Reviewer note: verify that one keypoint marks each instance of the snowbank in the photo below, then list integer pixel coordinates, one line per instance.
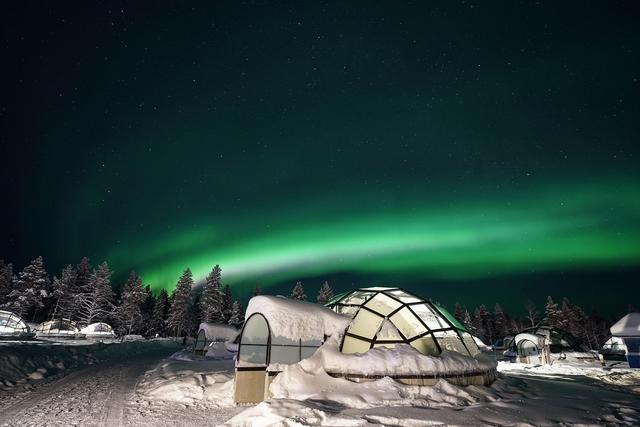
(181, 380)
(295, 320)
(628, 326)
(398, 361)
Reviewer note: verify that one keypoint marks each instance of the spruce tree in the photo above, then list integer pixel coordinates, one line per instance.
(6, 281)
(30, 290)
(227, 304)
(325, 294)
(237, 317)
(179, 320)
(458, 312)
(298, 292)
(129, 312)
(211, 299)
(500, 322)
(96, 304)
(146, 310)
(159, 316)
(482, 324)
(257, 290)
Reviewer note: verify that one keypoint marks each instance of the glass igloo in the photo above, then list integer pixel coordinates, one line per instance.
(385, 317)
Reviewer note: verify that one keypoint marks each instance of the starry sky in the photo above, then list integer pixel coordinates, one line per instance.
(472, 152)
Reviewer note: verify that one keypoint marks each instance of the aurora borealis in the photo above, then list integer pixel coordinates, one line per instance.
(489, 150)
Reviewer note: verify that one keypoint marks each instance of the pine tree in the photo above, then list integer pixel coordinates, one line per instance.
(298, 292)
(257, 290)
(178, 320)
(6, 281)
(227, 304)
(500, 322)
(552, 316)
(159, 316)
(30, 290)
(211, 300)
(532, 313)
(129, 312)
(468, 322)
(482, 323)
(96, 304)
(325, 294)
(458, 312)
(146, 310)
(237, 317)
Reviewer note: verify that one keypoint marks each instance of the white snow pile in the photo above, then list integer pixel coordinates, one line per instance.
(628, 326)
(398, 361)
(188, 381)
(297, 319)
(620, 376)
(219, 332)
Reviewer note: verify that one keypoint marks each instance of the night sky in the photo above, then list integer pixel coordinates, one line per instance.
(466, 151)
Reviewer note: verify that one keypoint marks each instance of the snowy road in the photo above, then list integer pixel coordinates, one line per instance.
(103, 394)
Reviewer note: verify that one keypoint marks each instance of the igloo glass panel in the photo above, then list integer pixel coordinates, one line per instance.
(365, 324)
(382, 304)
(357, 298)
(256, 331)
(355, 345)
(280, 340)
(283, 354)
(426, 345)
(431, 319)
(347, 310)
(407, 323)
(404, 297)
(470, 343)
(449, 340)
(388, 332)
(308, 351)
(253, 354)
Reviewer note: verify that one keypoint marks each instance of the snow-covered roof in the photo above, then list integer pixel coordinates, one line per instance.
(218, 331)
(628, 326)
(296, 320)
(99, 328)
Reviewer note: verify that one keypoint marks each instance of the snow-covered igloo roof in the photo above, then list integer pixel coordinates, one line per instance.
(555, 337)
(98, 328)
(57, 326)
(218, 332)
(12, 323)
(628, 326)
(386, 316)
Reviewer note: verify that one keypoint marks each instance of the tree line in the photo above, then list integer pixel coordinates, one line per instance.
(592, 330)
(85, 295)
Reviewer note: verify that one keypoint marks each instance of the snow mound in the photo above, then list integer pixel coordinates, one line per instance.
(628, 326)
(219, 332)
(295, 320)
(187, 381)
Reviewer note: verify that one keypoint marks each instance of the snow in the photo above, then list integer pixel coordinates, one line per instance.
(402, 359)
(628, 326)
(295, 319)
(219, 332)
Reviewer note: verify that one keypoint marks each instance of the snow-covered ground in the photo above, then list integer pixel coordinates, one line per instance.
(153, 383)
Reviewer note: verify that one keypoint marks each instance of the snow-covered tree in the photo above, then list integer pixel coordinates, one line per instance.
(211, 299)
(458, 312)
(467, 321)
(325, 293)
(6, 281)
(482, 323)
(532, 313)
(179, 320)
(552, 314)
(30, 290)
(146, 309)
(96, 303)
(237, 316)
(298, 292)
(129, 313)
(227, 304)
(61, 298)
(159, 316)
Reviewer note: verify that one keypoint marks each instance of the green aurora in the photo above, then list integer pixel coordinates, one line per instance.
(561, 228)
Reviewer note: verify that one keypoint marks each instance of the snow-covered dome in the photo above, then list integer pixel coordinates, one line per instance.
(61, 328)
(628, 326)
(385, 317)
(98, 330)
(557, 339)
